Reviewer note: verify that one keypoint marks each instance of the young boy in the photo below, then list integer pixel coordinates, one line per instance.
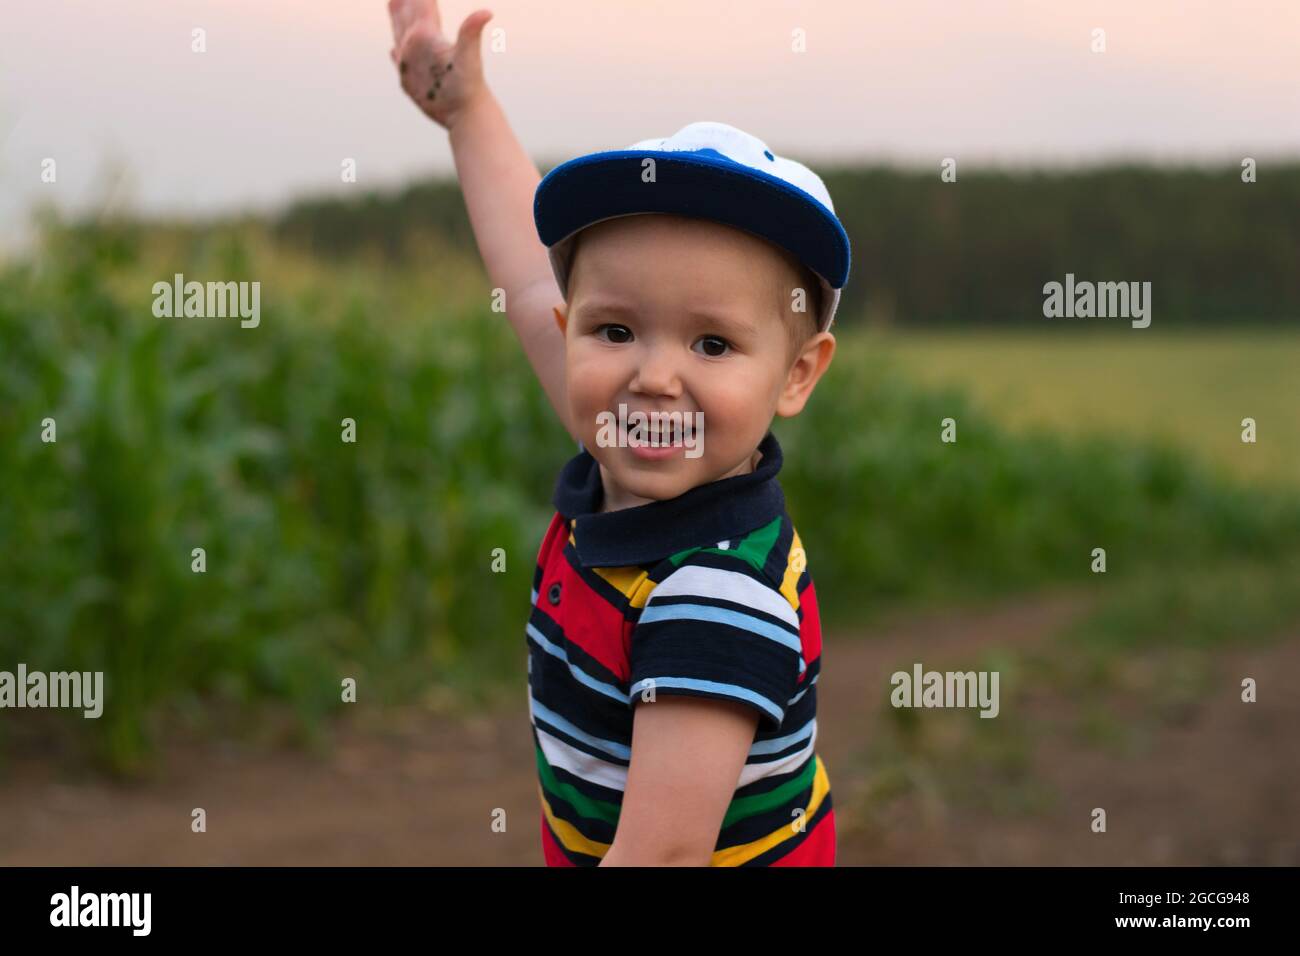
(674, 641)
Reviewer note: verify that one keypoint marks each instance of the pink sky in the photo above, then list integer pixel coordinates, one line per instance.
(288, 88)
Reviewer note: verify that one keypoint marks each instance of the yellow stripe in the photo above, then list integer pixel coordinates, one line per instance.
(568, 834)
(736, 855)
(633, 583)
(643, 590)
(790, 582)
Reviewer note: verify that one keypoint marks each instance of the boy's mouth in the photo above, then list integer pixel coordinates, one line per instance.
(668, 435)
(652, 435)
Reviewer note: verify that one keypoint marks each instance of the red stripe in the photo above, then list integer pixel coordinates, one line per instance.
(587, 620)
(810, 628)
(551, 851)
(556, 534)
(817, 848)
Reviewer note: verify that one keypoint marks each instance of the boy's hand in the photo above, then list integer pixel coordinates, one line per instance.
(441, 77)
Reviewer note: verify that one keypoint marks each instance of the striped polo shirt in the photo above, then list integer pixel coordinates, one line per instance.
(707, 594)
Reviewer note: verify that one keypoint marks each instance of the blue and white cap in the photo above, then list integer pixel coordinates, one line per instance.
(708, 171)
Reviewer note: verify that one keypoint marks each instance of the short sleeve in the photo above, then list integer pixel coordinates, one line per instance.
(715, 627)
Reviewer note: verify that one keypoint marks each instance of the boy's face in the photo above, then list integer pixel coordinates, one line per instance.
(672, 314)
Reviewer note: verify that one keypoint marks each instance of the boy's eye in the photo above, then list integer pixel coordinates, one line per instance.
(714, 346)
(616, 330)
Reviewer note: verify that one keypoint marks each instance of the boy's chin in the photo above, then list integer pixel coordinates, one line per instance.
(657, 480)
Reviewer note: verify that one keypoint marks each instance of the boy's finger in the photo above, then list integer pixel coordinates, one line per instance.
(397, 17)
(405, 13)
(468, 45)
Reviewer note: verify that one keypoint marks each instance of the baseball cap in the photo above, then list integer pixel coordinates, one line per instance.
(708, 171)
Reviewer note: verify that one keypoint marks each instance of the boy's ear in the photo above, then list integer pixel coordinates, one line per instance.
(804, 374)
(561, 318)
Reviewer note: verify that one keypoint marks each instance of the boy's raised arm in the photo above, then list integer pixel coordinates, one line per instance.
(497, 178)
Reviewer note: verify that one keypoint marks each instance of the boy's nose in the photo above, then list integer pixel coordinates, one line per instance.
(656, 374)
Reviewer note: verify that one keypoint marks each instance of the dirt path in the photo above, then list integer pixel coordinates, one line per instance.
(1211, 782)
(1218, 787)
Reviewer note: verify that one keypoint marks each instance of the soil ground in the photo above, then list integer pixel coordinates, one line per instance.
(1212, 781)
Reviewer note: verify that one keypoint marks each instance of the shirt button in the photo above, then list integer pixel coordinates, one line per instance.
(553, 595)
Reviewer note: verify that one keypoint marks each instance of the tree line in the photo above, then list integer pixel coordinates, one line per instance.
(977, 250)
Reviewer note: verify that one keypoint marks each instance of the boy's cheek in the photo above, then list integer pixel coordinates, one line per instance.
(591, 389)
(586, 418)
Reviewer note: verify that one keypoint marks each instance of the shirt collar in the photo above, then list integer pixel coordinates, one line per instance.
(702, 516)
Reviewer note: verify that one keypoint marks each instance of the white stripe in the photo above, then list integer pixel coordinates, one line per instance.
(695, 581)
(614, 776)
(581, 764)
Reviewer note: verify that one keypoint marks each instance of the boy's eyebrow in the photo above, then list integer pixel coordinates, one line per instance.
(734, 323)
(605, 308)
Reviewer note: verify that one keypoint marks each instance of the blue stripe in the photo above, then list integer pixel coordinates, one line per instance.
(704, 612)
(780, 743)
(612, 747)
(609, 690)
(712, 687)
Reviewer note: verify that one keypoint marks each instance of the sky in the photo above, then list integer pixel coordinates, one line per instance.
(288, 89)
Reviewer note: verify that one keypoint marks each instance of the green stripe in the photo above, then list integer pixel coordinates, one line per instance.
(752, 549)
(743, 807)
(585, 805)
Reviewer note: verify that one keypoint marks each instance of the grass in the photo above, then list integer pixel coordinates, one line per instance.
(372, 560)
(1188, 388)
(1221, 604)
